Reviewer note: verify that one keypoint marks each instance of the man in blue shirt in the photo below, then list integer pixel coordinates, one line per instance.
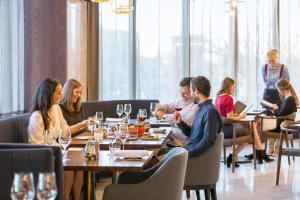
(207, 122)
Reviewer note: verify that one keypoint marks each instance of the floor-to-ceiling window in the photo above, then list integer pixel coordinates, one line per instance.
(115, 54)
(11, 56)
(159, 52)
(210, 41)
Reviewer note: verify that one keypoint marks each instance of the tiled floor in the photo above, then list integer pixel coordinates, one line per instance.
(249, 184)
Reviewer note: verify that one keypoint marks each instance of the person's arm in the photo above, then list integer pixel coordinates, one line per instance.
(185, 128)
(285, 75)
(263, 73)
(189, 117)
(75, 128)
(210, 131)
(36, 129)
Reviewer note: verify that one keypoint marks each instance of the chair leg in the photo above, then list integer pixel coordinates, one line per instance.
(188, 194)
(213, 193)
(207, 194)
(292, 145)
(266, 144)
(279, 159)
(253, 146)
(233, 158)
(198, 194)
(287, 145)
(224, 155)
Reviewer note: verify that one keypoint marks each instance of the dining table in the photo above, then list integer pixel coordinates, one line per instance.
(76, 160)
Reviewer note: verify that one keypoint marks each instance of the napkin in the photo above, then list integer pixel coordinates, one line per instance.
(131, 153)
(114, 119)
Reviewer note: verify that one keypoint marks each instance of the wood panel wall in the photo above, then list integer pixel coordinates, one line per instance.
(45, 46)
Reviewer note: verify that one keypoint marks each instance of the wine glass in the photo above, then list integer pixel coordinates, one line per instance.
(65, 140)
(142, 115)
(46, 187)
(123, 133)
(91, 124)
(152, 108)
(120, 110)
(23, 186)
(127, 110)
(99, 118)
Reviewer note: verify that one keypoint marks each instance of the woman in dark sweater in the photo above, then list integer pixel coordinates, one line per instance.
(70, 105)
(288, 105)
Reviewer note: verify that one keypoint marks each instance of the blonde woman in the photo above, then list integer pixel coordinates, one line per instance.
(70, 105)
(272, 72)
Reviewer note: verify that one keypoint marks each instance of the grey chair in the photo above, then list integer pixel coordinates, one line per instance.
(23, 160)
(58, 167)
(202, 172)
(163, 181)
(287, 128)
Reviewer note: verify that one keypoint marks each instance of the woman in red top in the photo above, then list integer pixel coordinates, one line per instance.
(224, 103)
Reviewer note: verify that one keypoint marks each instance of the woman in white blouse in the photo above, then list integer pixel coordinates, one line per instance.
(45, 115)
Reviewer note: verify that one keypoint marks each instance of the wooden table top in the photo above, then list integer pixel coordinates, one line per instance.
(106, 162)
(134, 144)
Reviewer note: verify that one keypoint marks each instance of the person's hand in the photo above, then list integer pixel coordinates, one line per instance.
(160, 114)
(275, 107)
(84, 123)
(243, 115)
(177, 117)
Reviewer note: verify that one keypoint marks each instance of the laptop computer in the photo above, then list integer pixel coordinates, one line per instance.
(241, 107)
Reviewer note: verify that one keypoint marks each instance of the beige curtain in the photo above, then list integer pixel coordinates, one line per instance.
(83, 46)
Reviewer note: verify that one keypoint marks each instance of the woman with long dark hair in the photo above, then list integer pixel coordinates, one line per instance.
(46, 115)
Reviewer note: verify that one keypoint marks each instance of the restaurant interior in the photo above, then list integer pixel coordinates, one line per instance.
(149, 99)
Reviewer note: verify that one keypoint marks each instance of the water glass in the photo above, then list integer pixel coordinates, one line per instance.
(99, 118)
(91, 124)
(50, 137)
(152, 108)
(46, 187)
(65, 140)
(123, 133)
(120, 110)
(114, 145)
(22, 186)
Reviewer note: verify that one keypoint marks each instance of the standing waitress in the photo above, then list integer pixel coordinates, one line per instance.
(272, 72)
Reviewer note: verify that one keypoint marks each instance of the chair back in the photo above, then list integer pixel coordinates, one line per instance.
(205, 168)
(58, 167)
(165, 183)
(23, 160)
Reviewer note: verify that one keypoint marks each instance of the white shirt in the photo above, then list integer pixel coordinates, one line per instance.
(36, 128)
(189, 109)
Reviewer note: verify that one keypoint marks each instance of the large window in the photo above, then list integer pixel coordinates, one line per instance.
(116, 54)
(210, 41)
(166, 40)
(159, 48)
(290, 39)
(11, 56)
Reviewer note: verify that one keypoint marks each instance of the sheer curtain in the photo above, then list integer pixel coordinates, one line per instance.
(256, 36)
(11, 55)
(210, 41)
(290, 39)
(159, 53)
(115, 54)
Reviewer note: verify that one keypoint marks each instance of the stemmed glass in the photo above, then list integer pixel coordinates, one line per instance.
(127, 110)
(91, 125)
(123, 133)
(65, 140)
(46, 187)
(142, 115)
(152, 108)
(99, 118)
(120, 110)
(23, 186)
